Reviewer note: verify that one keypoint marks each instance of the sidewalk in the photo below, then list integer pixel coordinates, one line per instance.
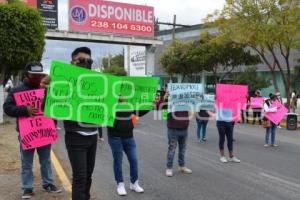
(10, 180)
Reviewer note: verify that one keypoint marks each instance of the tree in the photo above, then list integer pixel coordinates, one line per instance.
(176, 59)
(222, 57)
(114, 65)
(269, 27)
(115, 70)
(22, 36)
(250, 77)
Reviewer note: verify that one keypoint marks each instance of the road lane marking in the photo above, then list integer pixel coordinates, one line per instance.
(61, 173)
(280, 180)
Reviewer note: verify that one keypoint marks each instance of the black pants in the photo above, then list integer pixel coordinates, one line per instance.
(256, 114)
(225, 129)
(82, 153)
(243, 115)
(100, 132)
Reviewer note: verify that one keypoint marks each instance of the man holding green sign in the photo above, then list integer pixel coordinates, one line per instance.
(73, 90)
(82, 97)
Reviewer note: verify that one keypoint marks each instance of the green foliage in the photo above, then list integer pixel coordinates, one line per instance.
(252, 79)
(225, 56)
(205, 54)
(264, 25)
(114, 65)
(177, 59)
(115, 70)
(21, 36)
(117, 60)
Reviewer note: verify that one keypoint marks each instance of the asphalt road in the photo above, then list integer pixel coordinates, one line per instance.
(263, 174)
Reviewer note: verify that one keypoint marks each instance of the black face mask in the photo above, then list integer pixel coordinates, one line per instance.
(85, 62)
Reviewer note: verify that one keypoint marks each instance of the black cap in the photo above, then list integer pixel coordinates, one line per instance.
(34, 68)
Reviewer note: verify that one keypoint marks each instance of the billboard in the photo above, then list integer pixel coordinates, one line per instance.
(31, 3)
(48, 9)
(111, 17)
(137, 61)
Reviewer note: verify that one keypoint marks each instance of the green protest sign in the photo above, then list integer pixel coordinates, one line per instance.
(81, 95)
(138, 93)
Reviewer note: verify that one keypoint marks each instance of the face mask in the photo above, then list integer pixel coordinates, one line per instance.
(34, 82)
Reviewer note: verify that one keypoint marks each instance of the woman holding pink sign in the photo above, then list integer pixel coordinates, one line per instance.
(271, 127)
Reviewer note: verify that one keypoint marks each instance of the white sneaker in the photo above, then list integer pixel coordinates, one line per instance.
(169, 172)
(136, 187)
(234, 159)
(274, 145)
(185, 170)
(223, 159)
(121, 189)
(266, 145)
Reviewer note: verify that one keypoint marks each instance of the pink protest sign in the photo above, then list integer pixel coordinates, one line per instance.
(232, 97)
(36, 132)
(276, 117)
(256, 102)
(33, 98)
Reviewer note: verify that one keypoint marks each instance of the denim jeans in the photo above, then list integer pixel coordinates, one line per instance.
(201, 129)
(27, 163)
(225, 129)
(118, 145)
(271, 131)
(176, 136)
(82, 154)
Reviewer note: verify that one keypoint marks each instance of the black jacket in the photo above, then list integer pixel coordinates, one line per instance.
(123, 126)
(10, 107)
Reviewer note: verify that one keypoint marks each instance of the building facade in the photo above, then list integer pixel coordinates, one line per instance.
(193, 33)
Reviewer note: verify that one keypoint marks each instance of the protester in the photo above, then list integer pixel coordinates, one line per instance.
(202, 118)
(81, 140)
(120, 138)
(225, 125)
(177, 124)
(279, 98)
(32, 79)
(100, 134)
(271, 130)
(257, 111)
(294, 102)
(245, 110)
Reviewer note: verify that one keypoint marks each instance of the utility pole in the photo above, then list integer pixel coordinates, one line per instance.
(174, 24)
(174, 27)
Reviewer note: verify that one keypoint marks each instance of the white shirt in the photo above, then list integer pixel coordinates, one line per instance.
(268, 109)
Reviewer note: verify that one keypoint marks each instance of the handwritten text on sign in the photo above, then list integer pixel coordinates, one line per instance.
(81, 95)
(138, 92)
(35, 131)
(184, 96)
(33, 98)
